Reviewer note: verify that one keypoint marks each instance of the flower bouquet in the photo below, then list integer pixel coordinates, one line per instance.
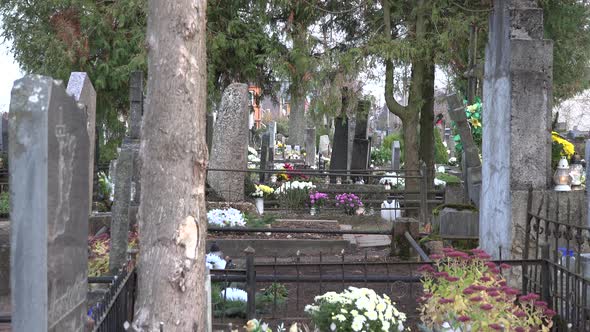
(294, 194)
(350, 202)
(261, 192)
(317, 200)
(226, 218)
(464, 292)
(355, 309)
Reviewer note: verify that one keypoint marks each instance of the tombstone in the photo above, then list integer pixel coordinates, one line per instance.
(264, 155)
(361, 145)
(471, 162)
(325, 145)
(127, 178)
(120, 209)
(49, 157)
(230, 144)
(4, 266)
(272, 130)
(4, 132)
(517, 94)
(396, 151)
(210, 125)
(136, 103)
(338, 160)
(80, 87)
(310, 149)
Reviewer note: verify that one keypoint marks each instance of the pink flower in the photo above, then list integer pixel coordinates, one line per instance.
(491, 265)
(476, 299)
(436, 257)
(519, 329)
(441, 274)
(505, 266)
(541, 304)
(520, 314)
(464, 319)
(485, 279)
(493, 293)
(468, 291)
(447, 250)
(478, 287)
(443, 301)
(451, 279)
(426, 268)
(495, 326)
(486, 307)
(549, 312)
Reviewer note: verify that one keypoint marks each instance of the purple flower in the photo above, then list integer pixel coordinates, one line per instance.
(486, 307)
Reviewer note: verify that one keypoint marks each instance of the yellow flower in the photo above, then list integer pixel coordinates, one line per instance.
(568, 148)
(472, 108)
(475, 123)
(251, 325)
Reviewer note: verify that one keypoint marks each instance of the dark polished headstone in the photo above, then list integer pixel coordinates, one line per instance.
(338, 161)
(49, 158)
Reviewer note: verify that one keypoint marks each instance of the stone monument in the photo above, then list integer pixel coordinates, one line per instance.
(517, 94)
(230, 144)
(310, 150)
(49, 158)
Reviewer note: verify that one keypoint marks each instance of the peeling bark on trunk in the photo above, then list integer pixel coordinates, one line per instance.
(172, 224)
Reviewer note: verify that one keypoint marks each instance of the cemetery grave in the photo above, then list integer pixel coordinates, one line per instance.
(461, 230)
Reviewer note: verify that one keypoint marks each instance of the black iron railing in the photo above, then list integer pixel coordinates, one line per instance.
(116, 306)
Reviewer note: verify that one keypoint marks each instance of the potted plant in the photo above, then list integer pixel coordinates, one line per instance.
(350, 202)
(261, 192)
(355, 309)
(317, 200)
(467, 292)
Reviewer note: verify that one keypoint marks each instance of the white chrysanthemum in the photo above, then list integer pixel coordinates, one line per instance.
(358, 322)
(226, 218)
(215, 262)
(234, 294)
(371, 315)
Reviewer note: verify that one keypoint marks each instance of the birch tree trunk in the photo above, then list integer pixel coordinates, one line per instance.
(173, 153)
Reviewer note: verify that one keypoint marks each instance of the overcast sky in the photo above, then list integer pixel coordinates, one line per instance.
(10, 72)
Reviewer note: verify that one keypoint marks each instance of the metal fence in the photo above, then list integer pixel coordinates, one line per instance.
(564, 278)
(416, 202)
(116, 306)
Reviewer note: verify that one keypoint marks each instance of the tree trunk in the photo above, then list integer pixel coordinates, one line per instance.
(298, 90)
(172, 224)
(427, 121)
(297, 122)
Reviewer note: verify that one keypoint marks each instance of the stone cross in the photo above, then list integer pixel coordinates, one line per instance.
(80, 87)
(230, 144)
(310, 149)
(472, 163)
(517, 94)
(395, 155)
(49, 158)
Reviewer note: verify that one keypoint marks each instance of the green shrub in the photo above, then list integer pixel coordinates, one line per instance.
(448, 178)
(440, 151)
(381, 156)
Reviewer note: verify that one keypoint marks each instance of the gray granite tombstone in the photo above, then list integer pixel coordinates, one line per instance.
(324, 145)
(136, 103)
(120, 209)
(396, 151)
(338, 161)
(517, 94)
(472, 163)
(310, 149)
(80, 87)
(49, 157)
(230, 144)
(209, 127)
(264, 155)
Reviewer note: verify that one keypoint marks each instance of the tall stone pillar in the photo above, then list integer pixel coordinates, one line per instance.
(516, 122)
